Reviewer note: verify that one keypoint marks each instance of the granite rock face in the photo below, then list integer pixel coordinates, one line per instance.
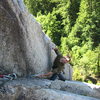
(42, 89)
(24, 48)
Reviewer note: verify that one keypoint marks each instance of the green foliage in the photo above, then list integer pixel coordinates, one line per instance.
(56, 16)
(43, 6)
(74, 26)
(50, 26)
(64, 48)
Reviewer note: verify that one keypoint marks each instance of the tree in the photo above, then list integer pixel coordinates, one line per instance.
(83, 34)
(73, 25)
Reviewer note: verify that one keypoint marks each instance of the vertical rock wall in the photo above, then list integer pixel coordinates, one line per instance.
(24, 48)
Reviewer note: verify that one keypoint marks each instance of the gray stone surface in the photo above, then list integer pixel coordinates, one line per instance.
(24, 48)
(41, 89)
(76, 87)
(68, 72)
(21, 40)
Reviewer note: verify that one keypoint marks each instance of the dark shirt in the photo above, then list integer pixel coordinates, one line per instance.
(57, 65)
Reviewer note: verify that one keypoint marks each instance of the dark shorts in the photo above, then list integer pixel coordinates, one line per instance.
(59, 76)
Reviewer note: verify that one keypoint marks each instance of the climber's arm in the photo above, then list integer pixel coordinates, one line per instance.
(45, 75)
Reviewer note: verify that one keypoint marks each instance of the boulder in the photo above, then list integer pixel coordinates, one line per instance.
(41, 89)
(76, 87)
(68, 72)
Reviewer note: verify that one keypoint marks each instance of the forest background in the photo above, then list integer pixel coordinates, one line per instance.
(74, 26)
